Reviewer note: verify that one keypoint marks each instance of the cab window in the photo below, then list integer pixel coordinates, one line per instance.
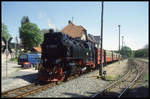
(23, 57)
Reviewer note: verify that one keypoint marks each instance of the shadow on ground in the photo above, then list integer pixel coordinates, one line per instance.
(17, 67)
(138, 92)
(73, 95)
(31, 78)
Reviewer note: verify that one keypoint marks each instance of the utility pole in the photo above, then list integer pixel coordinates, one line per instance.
(122, 41)
(101, 65)
(16, 46)
(119, 43)
(7, 53)
(122, 45)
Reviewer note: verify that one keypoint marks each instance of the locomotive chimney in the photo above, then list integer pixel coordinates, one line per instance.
(51, 30)
(69, 22)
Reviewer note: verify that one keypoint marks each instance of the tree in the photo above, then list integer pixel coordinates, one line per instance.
(30, 35)
(24, 20)
(5, 33)
(142, 52)
(126, 51)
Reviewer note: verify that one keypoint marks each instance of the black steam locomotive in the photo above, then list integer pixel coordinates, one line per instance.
(63, 56)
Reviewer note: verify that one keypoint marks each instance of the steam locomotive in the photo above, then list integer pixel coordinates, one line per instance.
(63, 56)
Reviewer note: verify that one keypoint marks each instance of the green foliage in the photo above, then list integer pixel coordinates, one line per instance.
(126, 51)
(108, 77)
(30, 35)
(147, 77)
(118, 76)
(24, 20)
(12, 45)
(5, 33)
(141, 53)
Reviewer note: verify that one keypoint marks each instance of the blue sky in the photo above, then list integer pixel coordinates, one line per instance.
(132, 16)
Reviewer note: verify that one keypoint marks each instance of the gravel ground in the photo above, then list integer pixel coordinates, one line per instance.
(141, 88)
(115, 70)
(18, 79)
(83, 86)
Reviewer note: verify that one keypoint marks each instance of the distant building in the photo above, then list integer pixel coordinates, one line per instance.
(37, 49)
(97, 41)
(91, 38)
(75, 31)
(94, 39)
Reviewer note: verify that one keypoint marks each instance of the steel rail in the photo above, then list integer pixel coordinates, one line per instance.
(26, 90)
(130, 84)
(12, 90)
(114, 83)
(110, 85)
(31, 89)
(35, 90)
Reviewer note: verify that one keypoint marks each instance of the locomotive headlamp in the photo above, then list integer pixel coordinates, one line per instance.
(87, 53)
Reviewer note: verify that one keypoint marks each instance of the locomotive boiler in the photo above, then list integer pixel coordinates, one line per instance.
(63, 56)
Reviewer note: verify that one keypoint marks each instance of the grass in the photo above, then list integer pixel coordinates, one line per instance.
(108, 77)
(146, 77)
(118, 76)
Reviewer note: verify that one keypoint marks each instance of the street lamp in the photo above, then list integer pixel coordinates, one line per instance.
(119, 43)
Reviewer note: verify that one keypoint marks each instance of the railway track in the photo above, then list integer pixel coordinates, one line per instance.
(26, 90)
(31, 89)
(36, 87)
(127, 81)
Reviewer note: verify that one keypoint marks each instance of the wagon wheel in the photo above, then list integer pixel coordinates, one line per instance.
(79, 72)
(68, 51)
(67, 70)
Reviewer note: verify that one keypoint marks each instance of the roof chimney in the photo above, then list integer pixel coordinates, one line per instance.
(69, 22)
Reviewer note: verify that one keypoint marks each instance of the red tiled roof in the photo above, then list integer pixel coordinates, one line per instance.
(73, 30)
(38, 48)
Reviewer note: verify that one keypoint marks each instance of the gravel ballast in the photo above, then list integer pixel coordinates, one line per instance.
(83, 86)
